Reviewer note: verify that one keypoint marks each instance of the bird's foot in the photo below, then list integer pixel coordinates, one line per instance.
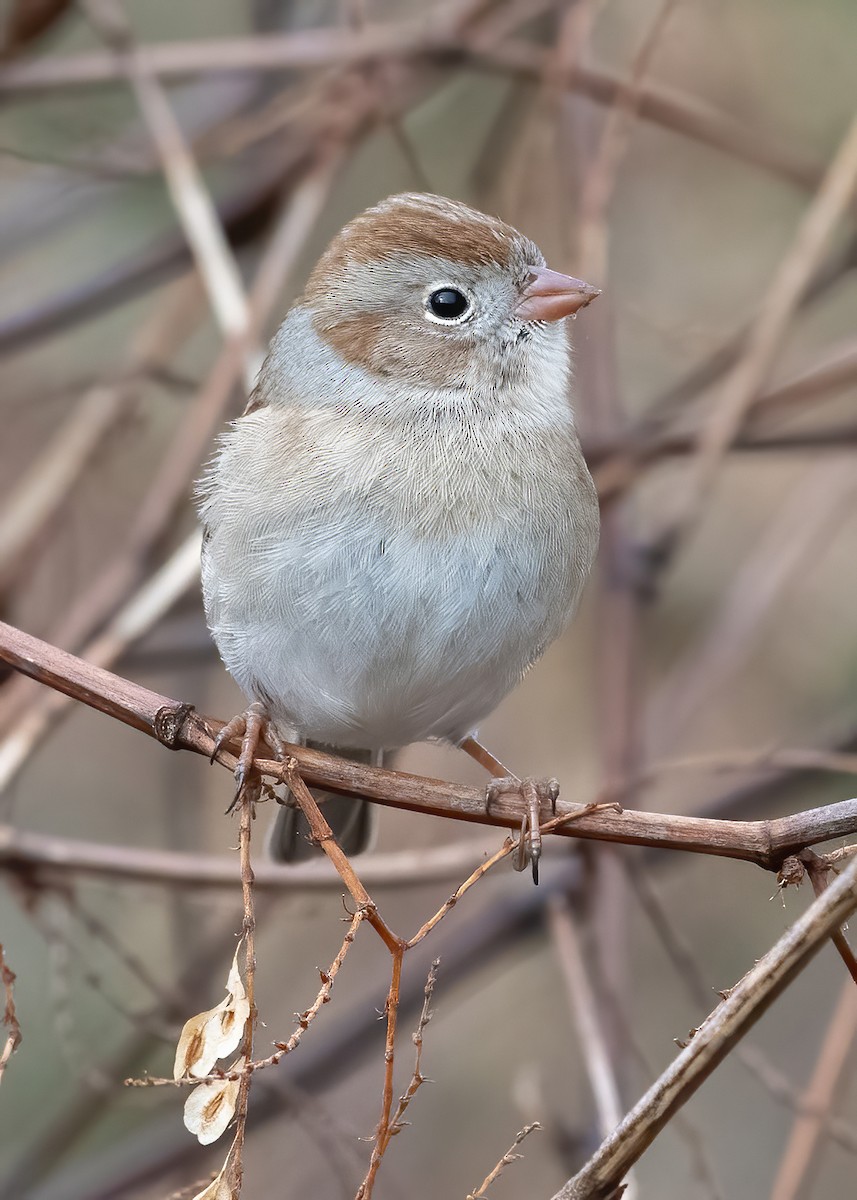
(532, 794)
(252, 727)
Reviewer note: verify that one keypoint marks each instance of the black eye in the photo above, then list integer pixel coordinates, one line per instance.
(448, 303)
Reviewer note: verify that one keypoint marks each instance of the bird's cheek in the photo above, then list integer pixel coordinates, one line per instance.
(357, 340)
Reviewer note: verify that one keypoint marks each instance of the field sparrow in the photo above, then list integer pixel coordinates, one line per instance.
(402, 519)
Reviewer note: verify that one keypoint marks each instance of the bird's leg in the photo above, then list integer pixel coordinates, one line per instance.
(253, 727)
(485, 758)
(531, 792)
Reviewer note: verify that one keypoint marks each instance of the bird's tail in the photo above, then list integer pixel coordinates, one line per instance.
(353, 821)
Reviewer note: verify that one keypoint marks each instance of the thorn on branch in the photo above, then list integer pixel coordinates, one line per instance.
(791, 873)
(169, 724)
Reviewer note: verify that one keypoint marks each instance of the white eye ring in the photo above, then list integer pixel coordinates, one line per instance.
(447, 296)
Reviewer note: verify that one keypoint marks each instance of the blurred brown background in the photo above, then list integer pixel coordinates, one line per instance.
(669, 152)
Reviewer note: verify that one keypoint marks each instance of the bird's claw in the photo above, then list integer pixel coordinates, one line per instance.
(231, 731)
(532, 793)
(252, 727)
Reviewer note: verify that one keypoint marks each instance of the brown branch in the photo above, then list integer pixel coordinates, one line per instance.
(177, 726)
(322, 836)
(386, 1127)
(746, 1002)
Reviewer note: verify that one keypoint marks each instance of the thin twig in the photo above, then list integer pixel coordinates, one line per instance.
(304, 1020)
(602, 172)
(817, 870)
(508, 1158)
(385, 1128)
(322, 836)
(504, 852)
(417, 1077)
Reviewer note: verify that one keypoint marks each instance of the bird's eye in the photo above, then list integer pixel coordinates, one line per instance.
(448, 304)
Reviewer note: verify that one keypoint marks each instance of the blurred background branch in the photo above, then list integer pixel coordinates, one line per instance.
(168, 183)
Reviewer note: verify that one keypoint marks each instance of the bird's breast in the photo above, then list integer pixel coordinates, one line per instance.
(393, 583)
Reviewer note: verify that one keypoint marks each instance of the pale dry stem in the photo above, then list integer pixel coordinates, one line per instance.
(809, 1127)
(829, 205)
(191, 198)
(53, 857)
(586, 1018)
(602, 173)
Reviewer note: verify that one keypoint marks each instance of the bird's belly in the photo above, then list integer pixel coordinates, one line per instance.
(379, 639)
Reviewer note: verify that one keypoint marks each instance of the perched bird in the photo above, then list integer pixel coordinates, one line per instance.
(402, 519)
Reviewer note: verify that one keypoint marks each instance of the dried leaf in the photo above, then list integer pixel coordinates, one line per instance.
(227, 1185)
(216, 1033)
(218, 1189)
(210, 1107)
